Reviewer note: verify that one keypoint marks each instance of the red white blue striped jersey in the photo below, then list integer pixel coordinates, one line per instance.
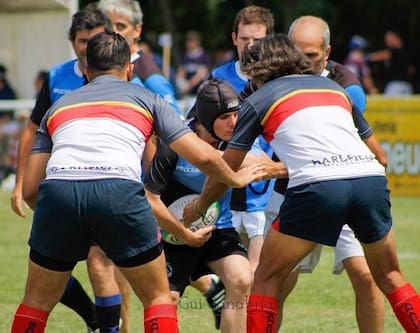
(100, 130)
(307, 120)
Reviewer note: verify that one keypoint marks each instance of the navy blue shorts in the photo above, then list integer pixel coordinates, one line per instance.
(318, 211)
(113, 213)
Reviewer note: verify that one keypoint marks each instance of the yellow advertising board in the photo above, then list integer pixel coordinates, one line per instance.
(396, 124)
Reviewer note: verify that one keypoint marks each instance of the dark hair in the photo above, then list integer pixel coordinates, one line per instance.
(88, 19)
(106, 51)
(254, 15)
(272, 57)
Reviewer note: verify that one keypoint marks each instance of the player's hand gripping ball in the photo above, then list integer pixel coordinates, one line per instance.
(177, 208)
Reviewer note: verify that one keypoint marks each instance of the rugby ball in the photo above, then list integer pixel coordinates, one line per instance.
(177, 208)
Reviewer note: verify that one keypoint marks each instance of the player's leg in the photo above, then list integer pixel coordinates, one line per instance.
(372, 224)
(254, 224)
(125, 291)
(234, 271)
(212, 288)
(404, 299)
(306, 265)
(280, 254)
(105, 288)
(76, 298)
(150, 283)
(44, 288)
(370, 307)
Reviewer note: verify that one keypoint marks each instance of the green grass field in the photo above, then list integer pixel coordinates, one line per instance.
(321, 302)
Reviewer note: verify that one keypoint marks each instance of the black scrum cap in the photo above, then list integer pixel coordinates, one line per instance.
(214, 97)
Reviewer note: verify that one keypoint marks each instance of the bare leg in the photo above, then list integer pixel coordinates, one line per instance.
(254, 250)
(284, 291)
(150, 284)
(43, 291)
(404, 299)
(125, 291)
(234, 270)
(370, 307)
(101, 273)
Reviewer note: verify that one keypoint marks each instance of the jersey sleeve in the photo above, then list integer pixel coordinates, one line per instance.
(167, 124)
(43, 102)
(361, 123)
(357, 96)
(161, 86)
(161, 169)
(247, 129)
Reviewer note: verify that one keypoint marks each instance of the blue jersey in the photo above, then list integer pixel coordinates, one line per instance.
(172, 177)
(255, 196)
(147, 73)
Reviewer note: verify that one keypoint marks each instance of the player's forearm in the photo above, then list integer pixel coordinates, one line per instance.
(26, 142)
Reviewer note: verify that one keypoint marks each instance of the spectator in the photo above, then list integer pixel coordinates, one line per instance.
(40, 77)
(6, 92)
(145, 48)
(356, 62)
(6, 123)
(398, 66)
(195, 64)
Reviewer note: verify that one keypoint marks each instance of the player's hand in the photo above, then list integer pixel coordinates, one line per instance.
(189, 215)
(199, 237)
(17, 203)
(249, 174)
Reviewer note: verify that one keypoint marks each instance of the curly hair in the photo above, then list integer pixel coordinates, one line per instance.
(272, 57)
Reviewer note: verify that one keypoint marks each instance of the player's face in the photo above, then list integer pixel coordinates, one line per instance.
(310, 42)
(122, 25)
(247, 35)
(80, 44)
(224, 125)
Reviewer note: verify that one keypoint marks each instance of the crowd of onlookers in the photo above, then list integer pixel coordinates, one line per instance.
(195, 66)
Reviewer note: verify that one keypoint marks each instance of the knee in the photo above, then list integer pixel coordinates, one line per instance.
(240, 283)
(363, 283)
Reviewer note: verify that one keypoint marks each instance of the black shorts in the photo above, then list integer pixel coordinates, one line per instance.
(185, 263)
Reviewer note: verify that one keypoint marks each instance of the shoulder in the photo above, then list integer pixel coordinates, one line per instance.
(342, 74)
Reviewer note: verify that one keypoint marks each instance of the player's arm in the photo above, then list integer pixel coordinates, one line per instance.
(170, 223)
(37, 163)
(368, 137)
(156, 182)
(208, 159)
(26, 142)
(213, 189)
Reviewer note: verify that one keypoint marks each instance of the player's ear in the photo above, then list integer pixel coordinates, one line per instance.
(328, 52)
(130, 69)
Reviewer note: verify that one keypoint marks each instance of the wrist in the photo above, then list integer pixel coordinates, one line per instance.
(197, 210)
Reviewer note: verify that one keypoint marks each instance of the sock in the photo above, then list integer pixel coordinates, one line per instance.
(261, 314)
(160, 318)
(29, 319)
(405, 302)
(76, 298)
(108, 313)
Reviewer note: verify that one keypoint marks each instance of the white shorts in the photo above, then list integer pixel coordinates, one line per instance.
(250, 223)
(347, 246)
(272, 209)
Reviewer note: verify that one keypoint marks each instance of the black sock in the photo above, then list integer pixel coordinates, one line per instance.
(108, 312)
(75, 298)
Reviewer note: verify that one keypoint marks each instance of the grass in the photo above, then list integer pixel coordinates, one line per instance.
(321, 302)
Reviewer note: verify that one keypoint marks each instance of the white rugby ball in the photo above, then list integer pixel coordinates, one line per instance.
(177, 208)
